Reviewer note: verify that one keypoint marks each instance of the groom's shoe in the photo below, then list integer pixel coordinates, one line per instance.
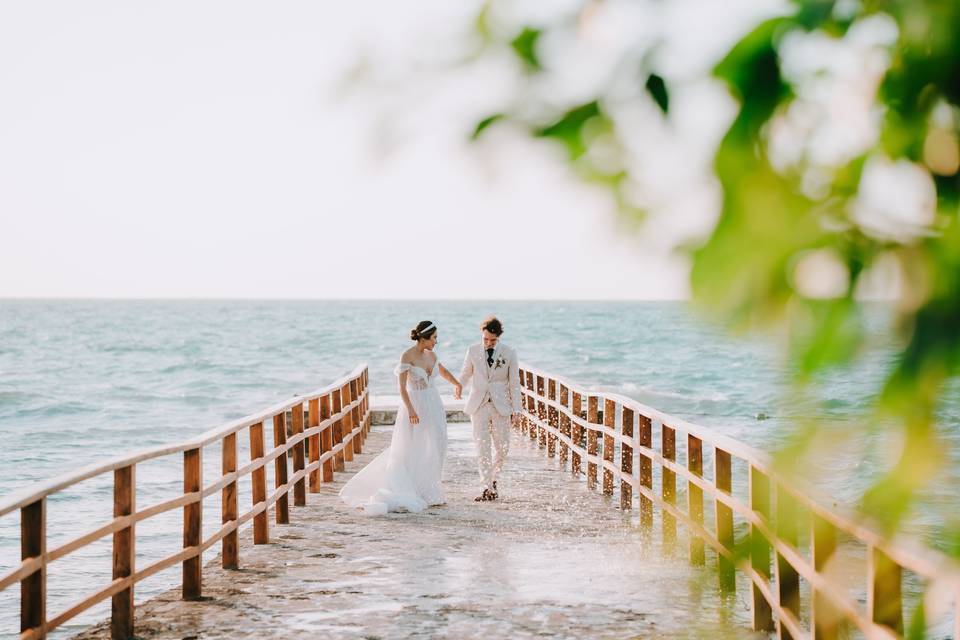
(486, 496)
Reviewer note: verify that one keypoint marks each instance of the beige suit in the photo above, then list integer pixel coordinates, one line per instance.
(494, 395)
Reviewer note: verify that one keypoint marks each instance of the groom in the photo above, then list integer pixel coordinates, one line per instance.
(494, 401)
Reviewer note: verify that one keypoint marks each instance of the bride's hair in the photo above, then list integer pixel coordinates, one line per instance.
(423, 330)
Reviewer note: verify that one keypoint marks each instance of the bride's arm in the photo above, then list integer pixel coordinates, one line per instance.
(457, 387)
(414, 418)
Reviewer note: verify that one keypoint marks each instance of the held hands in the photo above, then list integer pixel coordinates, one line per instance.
(457, 390)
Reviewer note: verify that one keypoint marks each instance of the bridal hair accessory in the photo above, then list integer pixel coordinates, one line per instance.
(420, 334)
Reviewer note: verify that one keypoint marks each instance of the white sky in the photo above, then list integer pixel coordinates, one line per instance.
(200, 149)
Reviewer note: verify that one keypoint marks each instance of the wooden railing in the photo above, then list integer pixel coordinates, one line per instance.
(791, 534)
(337, 422)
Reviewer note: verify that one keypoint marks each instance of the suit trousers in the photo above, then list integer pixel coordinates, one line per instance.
(490, 427)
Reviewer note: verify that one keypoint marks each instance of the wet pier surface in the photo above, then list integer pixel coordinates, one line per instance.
(549, 559)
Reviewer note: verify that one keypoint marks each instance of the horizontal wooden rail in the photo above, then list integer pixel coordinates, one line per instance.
(779, 506)
(347, 426)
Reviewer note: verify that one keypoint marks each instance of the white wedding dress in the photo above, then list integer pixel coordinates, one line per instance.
(407, 475)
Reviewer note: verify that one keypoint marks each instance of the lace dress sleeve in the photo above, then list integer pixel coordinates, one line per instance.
(401, 367)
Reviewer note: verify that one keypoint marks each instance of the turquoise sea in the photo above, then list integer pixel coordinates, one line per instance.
(84, 380)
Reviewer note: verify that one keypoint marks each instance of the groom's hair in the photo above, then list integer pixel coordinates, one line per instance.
(492, 324)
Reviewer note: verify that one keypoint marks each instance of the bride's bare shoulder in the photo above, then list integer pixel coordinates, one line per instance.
(407, 356)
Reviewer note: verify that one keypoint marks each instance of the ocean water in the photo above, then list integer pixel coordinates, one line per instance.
(84, 380)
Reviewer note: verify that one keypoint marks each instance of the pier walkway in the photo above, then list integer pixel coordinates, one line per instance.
(549, 559)
(602, 499)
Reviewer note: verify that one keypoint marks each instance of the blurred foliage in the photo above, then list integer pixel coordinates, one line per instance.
(753, 268)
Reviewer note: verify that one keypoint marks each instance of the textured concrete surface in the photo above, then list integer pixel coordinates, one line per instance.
(550, 559)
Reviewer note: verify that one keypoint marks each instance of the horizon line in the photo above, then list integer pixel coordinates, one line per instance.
(282, 299)
(279, 299)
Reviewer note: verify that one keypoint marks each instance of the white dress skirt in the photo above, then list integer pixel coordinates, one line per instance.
(406, 476)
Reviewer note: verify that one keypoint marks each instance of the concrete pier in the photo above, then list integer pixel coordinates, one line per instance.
(550, 559)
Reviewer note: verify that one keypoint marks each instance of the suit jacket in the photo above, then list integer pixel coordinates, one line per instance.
(501, 381)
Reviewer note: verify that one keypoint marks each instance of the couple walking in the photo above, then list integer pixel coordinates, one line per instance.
(407, 475)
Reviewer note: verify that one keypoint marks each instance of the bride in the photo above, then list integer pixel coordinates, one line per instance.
(407, 475)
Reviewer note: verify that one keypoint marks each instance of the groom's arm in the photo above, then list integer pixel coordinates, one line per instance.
(467, 372)
(514, 382)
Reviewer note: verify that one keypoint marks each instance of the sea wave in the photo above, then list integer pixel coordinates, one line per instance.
(645, 391)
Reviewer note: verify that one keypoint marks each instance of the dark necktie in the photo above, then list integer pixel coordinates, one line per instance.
(490, 357)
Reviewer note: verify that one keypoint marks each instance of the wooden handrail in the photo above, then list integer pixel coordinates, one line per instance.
(774, 564)
(32, 493)
(350, 423)
(907, 551)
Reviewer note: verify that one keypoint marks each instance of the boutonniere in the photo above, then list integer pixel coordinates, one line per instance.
(499, 362)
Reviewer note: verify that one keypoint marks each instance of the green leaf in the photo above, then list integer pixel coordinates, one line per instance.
(917, 630)
(813, 14)
(485, 123)
(568, 129)
(525, 46)
(825, 333)
(752, 70)
(481, 23)
(657, 89)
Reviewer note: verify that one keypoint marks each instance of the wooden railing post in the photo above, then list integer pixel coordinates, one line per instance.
(326, 439)
(668, 482)
(192, 523)
(592, 419)
(788, 580)
(626, 458)
(723, 479)
(282, 509)
(124, 552)
(956, 613)
(338, 434)
(521, 426)
(541, 413)
(355, 417)
(313, 420)
(824, 618)
(33, 588)
(552, 418)
(531, 404)
(576, 434)
(299, 487)
(229, 509)
(258, 481)
(646, 470)
(347, 425)
(364, 406)
(564, 423)
(762, 616)
(609, 416)
(366, 399)
(695, 497)
(356, 388)
(884, 599)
